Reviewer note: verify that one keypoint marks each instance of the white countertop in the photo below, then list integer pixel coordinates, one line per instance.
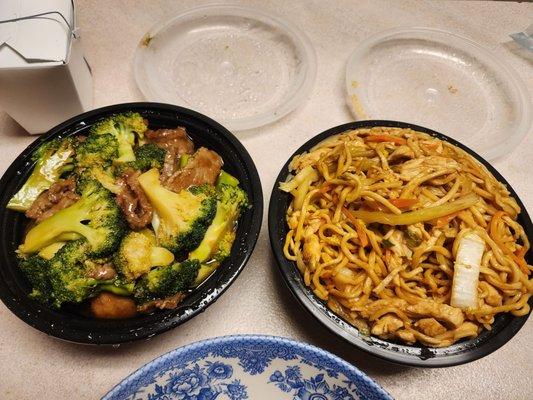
(35, 366)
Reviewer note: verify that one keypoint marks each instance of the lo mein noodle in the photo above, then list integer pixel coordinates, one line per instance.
(405, 236)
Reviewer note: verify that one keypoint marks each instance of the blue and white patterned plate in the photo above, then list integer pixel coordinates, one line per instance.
(248, 367)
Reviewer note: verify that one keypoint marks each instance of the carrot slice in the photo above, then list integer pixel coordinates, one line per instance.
(385, 138)
(520, 255)
(443, 221)
(374, 205)
(362, 234)
(349, 215)
(521, 252)
(520, 261)
(324, 188)
(358, 227)
(403, 203)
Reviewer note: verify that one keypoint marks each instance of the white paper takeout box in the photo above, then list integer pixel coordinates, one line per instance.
(44, 77)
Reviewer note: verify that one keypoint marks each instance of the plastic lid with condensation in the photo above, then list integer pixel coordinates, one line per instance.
(238, 65)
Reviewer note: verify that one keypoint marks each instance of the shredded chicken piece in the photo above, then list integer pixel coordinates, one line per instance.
(313, 226)
(350, 316)
(401, 153)
(292, 220)
(175, 142)
(299, 162)
(450, 232)
(203, 167)
(311, 250)
(451, 316)
(417, 232)
(406, 336)
(133, 201)
(395, 302)
(344, 278)
(168, 303)
(430, 327)
(59, 196)
(400, 248)
(101, 271)
(433, 238)
(386, 326)
(409, 169)
(468, 329)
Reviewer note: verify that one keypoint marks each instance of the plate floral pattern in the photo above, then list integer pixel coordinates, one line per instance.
(247, 367)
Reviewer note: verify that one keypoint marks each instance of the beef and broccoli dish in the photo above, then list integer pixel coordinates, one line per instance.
(125, 219)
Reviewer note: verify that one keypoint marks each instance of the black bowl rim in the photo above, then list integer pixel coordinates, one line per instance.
(335, 324)
(185, 314)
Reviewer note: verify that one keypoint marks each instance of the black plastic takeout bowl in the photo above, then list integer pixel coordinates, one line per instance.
(14, 288)
(503, 329)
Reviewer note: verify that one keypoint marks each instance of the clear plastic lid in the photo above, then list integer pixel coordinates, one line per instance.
(238, 65)
(442, 81)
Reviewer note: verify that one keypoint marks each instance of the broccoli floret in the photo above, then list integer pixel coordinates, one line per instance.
(224, 246)
(94, 157)
(205, 271)
(98, 150)
(166, 281)
(219, 236)
(49, 251)
(95, 216)
(181, 218)
(147, 156)
(52, 159)
(36, 270)
(68, 276)
(223, 252)
(124, 127)
(226, 179)
(138, 253)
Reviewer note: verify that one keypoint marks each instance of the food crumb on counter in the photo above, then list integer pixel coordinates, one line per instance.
(145, 41)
